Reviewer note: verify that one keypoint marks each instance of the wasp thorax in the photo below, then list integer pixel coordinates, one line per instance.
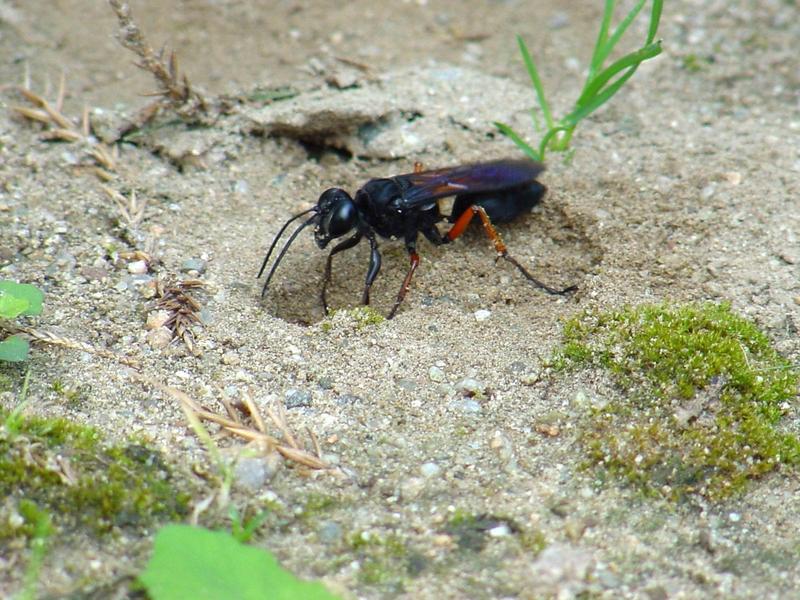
(337, 215)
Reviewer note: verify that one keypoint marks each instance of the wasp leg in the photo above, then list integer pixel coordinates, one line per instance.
(374, 266)
(460, 226)
(412, 254)
(345, 245)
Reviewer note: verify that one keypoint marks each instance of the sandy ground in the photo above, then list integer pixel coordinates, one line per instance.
(685, 187)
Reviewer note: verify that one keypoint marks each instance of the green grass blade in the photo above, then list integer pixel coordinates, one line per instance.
(655, 19)
(546, 140)
(632, 60)
(602, 36)
(620, 30)
(536, 80)
(521, 144)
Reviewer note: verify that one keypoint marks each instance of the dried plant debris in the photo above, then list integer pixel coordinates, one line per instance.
(173, 88)
(58, 127)
(252, 427)
(180, 310)
(131, 209)
(47, 337)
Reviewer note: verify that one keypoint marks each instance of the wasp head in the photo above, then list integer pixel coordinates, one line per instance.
(336, 216)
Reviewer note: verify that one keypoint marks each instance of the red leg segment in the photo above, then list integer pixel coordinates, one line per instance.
(406, 283)
(461, 225)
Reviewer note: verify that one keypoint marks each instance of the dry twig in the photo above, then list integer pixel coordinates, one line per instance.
(286, 446)
(61, 128)
(173, 88)
(56, 340)
(131, 208)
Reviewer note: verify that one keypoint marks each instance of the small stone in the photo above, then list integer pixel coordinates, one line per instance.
(429, 469)
(297, 398)
(251, 473)
(241, 187)
(482, 314)
(94, 273)
(159, 338)
(137, 267)
(436, 374)
(733, 177)
(329, 532)
(467, 405)
(156, 319)
(469, 387)
(411, 488)
(562, 569)
(501, 530)
(194, 264)
(326, 383)
(230, 358)
(445, 389)
(408, 385)
(656, 592)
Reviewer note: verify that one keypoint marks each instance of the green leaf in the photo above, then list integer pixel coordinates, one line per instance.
(11, 306)
(30, 294)
(14, 349)
(191, 562)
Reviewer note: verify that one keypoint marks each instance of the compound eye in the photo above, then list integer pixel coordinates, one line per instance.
(340, 219)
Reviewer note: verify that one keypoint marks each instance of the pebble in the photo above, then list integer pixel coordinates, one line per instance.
(295, 398)
(137, 267)
(411, 488)
(194, 264)
(482, 314)
(469, 386)
(408, 385)
(501, 530)
(159, 338)
(330, 532)
(156, 319)
(251, 473)
(436, 374)
(429, 469)
(230, 358)
(561, 570)
(467, 405)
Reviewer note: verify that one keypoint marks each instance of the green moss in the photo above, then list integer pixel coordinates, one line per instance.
(383, 561)
(316, 505)
(704, 393)
(6, 383)
(65, 470)
(71, 395)
(471, 531)
(355, 319)
(694, 64)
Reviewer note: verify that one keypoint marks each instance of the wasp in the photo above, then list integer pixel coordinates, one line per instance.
(403, 206)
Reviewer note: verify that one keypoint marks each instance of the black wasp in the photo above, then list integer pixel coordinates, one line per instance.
(404, 206)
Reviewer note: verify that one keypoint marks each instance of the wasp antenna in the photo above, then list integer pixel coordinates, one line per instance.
(284, 250)
(278, 236)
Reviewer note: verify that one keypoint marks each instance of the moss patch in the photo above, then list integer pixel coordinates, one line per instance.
(65, 469)
(704, 393)
(384, 562)
(354, 319)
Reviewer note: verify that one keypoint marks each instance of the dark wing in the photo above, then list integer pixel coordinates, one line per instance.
(421, 188)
